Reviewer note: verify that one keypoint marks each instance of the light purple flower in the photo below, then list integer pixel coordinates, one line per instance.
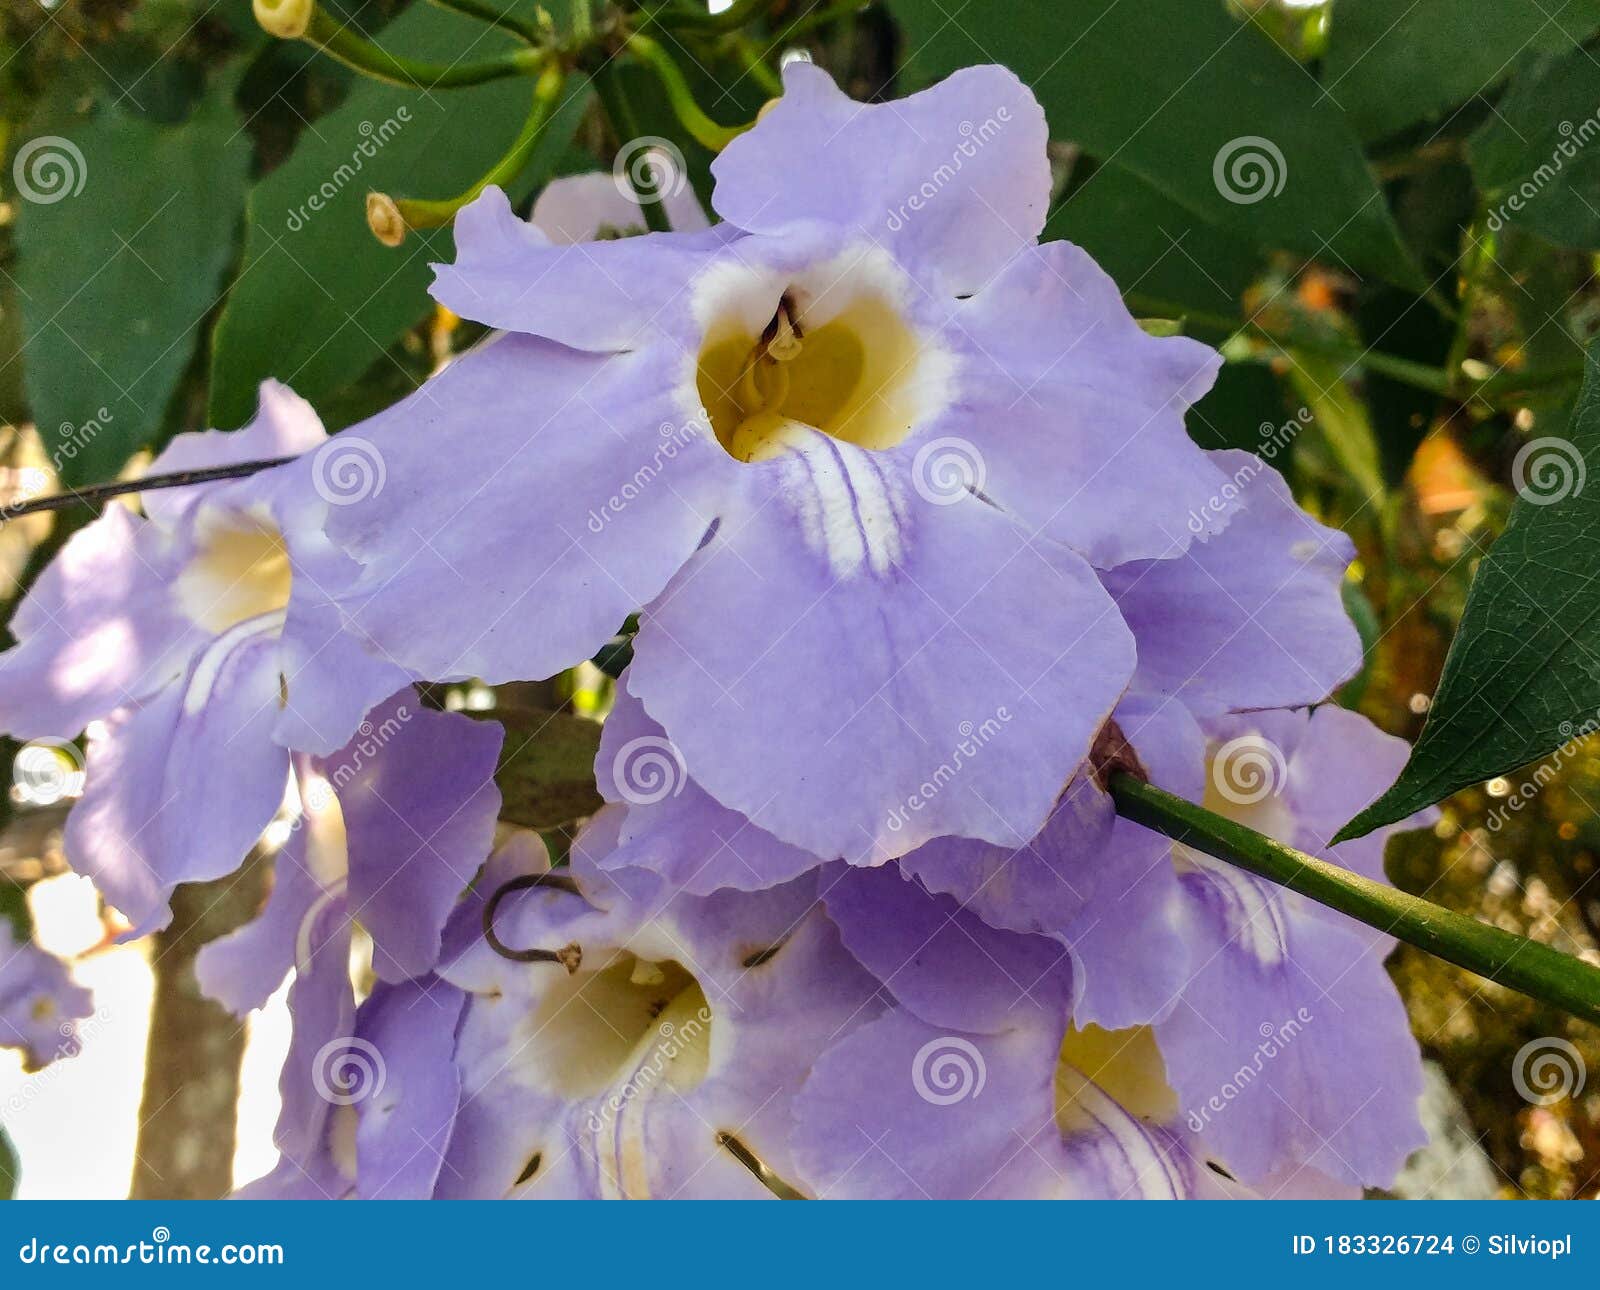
(675, 1046)
(40, 1004)
(852, 451)
(199, 644)
(392, 829)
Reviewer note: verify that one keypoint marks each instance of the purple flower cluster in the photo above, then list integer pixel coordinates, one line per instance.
(905, 505)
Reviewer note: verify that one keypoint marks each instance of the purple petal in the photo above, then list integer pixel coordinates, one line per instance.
(416, 788)
(405, 1124)
(1076, 415)
(180, 789)
(941, 961)
(673, 827)
(1291, 1046)
(519, 538)
(954, 180)
(1250, 617)
(972, 695)
(100, 629)
(600, 296)
(39, 1002)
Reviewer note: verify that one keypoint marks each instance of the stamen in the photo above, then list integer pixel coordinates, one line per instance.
(569, 956)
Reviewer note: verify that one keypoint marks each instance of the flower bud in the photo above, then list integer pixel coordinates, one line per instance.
(385, 220)
(285, 19)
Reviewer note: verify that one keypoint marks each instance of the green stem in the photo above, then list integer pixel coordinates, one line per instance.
(702, 129)
(420, 213)
(625, 125)
(1513, 961)
(361, 54)
(484, 11)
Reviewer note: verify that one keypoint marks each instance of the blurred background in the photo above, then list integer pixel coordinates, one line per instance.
(1386, 215)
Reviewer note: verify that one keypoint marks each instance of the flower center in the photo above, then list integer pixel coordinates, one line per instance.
(834, 355)
(628, 1027)
(1123, 1066)
(241, 571)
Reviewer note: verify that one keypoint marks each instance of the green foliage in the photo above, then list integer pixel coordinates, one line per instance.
(318, 300)
(546, 772)
(116, 281)
(1392, 65)
(1535, 159)
(1172, 116)
(1521, 678)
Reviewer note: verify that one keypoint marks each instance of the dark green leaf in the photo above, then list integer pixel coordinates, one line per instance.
(116, 280)
(319, 300)
(1164, 258)
(1390, 65)
(1247, 408)
(1192, 87)
(546, 773)
(1535, 158)
(1523, 673)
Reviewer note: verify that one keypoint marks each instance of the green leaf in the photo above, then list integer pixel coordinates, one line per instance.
(1171, 88)
(1161, 255)
(10, 1169)
(1523, 673)
(319, 300)
(1391, 65)
(546, 772)
(1535, 159)
(1247, 408)
(116, 280)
